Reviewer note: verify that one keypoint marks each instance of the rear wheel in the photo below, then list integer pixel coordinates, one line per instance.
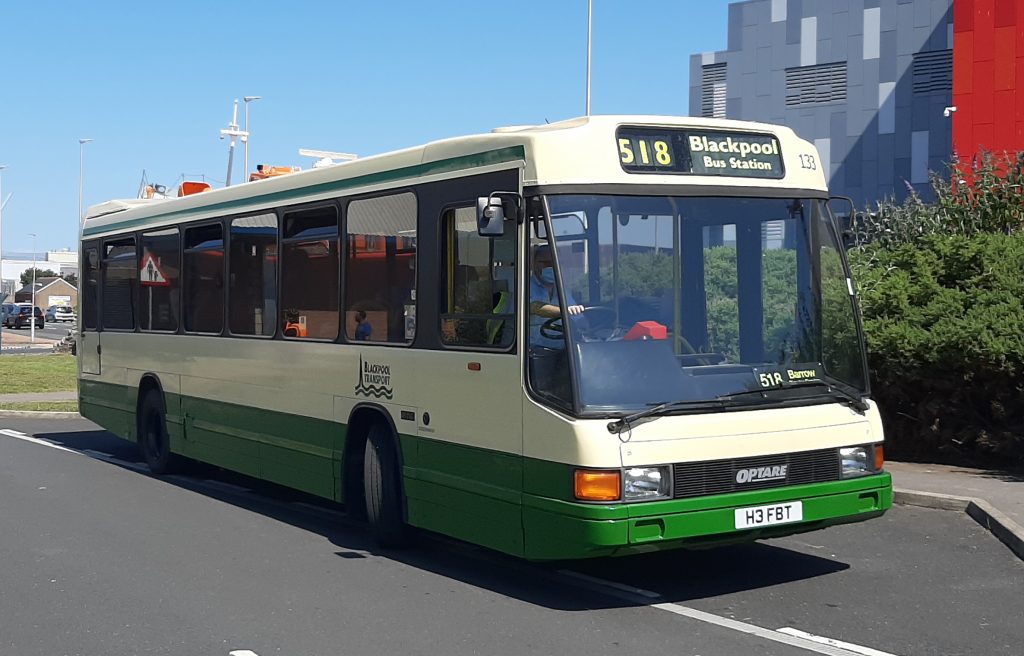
(153, 438)
(382, 489)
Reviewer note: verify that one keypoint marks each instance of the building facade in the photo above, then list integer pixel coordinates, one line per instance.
(869, 82)
(988, 69)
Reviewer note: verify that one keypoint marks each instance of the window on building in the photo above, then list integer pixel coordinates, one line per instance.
(816, 85)
(477, 304)
(252, 275)
(120, 277)
(933, 72)
(380, 269)
(712, 91)
(90, 288)
(309, 273)
(204, 279)
(159, 291)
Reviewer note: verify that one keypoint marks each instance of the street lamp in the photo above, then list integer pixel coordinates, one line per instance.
(2, 295)
(245, 140)
(32, 312)
(81, 177)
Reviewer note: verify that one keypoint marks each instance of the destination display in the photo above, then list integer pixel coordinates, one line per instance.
(699, 152)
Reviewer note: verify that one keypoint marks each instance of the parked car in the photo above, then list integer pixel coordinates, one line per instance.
(7, 312)
(24, 316)
(60, 313)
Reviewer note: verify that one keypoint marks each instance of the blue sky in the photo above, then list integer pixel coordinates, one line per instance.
(154, 84)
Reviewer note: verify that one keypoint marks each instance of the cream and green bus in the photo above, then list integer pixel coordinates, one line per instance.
(608, 335)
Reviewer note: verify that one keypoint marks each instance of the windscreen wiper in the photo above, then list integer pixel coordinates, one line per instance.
(657, 409)
(836, 389)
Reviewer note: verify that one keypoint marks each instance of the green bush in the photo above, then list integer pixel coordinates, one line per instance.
(944, 320)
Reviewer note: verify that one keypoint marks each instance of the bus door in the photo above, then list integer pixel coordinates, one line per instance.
(88, 346)
(470, 374)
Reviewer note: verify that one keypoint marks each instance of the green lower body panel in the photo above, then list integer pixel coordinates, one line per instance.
(564, 530)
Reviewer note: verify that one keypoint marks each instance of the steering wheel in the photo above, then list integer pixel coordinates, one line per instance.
(600, 324)
(552, 328)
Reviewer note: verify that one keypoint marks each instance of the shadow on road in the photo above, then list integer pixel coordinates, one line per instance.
(677, 576)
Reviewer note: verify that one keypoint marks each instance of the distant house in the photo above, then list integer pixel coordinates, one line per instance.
(49, 291)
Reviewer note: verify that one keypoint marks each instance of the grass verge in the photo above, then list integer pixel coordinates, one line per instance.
(37, 373)
(42, 406)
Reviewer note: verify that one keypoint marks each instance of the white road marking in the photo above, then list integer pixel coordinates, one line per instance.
(98, 455)
(242, 652)
(785, 636)
(18, 435)
(848, 646)
(611, 584)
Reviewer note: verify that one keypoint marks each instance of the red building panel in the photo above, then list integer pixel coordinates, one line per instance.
(988, 69)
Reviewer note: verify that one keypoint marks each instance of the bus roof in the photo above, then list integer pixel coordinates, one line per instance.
(579, 151)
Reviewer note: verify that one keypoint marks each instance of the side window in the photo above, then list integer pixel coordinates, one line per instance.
(203, 274)
(252, 275)
(380, 269)
(478, 289)
(91, 280)
(159, 270)
(309, 274)
(120, 275)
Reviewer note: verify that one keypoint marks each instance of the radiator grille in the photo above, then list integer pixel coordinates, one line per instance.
(693, 479)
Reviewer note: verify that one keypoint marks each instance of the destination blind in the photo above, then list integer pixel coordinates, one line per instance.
(699, 152)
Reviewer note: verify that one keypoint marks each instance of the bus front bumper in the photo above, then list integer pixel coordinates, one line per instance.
(556, 530)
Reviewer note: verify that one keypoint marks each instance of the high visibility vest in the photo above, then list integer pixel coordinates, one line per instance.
(494, 326)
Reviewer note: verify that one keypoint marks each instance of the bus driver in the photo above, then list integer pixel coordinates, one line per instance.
(544, 302)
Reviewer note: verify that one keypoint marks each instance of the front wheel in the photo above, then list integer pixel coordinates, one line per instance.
(153, 438)
(382, 489)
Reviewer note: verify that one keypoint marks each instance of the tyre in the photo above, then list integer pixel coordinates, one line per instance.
(382, 489)
(153, 439)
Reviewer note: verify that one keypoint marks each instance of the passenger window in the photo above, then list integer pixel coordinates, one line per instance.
(380, 269)
(309, 274)
(159, 291)
(204, 279)
(90, 297)
(478, 294)
(252, 276)
(120, 275)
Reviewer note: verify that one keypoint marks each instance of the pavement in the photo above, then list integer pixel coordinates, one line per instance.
(18, 340)
(993, 498)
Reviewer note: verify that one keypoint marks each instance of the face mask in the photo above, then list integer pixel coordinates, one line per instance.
(547, 276)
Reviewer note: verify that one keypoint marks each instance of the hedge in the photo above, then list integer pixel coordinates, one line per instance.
(944, 322)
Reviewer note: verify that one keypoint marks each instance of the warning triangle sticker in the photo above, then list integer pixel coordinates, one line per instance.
(150, 272)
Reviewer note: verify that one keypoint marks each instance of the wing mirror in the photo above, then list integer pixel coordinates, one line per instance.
(491, 212)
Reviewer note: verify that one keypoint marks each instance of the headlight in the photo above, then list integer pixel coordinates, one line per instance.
(644, 483)
(857, 461)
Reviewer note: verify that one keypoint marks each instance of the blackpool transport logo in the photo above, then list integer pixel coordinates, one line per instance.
(374, 380)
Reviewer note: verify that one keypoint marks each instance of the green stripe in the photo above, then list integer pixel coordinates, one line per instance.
(504, 501)
(487, 158)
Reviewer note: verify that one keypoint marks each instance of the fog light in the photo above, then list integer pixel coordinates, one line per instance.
(857, 461)
(643, 483)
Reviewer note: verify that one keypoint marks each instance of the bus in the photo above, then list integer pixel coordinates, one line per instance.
(602, 336)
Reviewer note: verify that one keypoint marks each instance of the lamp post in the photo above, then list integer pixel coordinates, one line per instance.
(590, 29)
(32, 312)
(245, 139)
(81, 178)
(2, 295)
